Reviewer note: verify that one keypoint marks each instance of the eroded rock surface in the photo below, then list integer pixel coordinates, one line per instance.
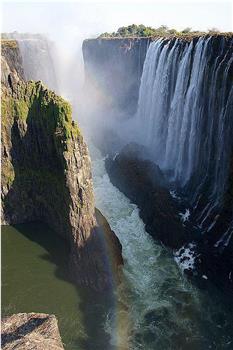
(27, 331)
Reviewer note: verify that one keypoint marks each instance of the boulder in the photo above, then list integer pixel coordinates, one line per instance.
(144, 184)
(27, 331)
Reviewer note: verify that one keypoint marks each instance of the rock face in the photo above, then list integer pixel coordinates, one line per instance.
(115, 66)
(11, 62)
(113, 247)
(37, 58)
(144, 183)
(216, 248)
(30, 331)
(204, 144)
(46, 173)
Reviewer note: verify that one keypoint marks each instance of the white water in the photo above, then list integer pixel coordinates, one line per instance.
(182, 96)
(154, 284)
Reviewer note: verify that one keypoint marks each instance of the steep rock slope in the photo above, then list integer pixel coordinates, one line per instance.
(46, 172)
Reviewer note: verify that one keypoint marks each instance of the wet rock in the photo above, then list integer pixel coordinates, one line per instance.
(144, 183)
(113, 244)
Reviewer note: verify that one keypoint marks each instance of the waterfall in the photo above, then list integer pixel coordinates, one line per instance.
(185, 110)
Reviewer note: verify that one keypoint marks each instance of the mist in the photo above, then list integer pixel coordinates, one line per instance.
(156, 115)
(67, 25)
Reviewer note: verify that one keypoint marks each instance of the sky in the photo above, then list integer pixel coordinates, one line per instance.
(69, 21)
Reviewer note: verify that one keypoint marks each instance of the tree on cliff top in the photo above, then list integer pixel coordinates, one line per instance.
(140, 30)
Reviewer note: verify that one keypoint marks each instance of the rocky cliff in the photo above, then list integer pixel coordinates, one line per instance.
(115, 66)
(38, 57)
(185, 96)
(46, 171)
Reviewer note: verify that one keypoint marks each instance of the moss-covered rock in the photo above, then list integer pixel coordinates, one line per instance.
(46, 173)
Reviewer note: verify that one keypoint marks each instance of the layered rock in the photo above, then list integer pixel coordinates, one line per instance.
(46, 173)
(30, 331)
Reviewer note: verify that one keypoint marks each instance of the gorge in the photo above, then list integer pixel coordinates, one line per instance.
(183, 118)
(173, 96)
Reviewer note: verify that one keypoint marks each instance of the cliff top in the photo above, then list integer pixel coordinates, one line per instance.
(141, 31)
(56, 113)
(22, 36)
(59, 112)
(186, 37)
(11, 43)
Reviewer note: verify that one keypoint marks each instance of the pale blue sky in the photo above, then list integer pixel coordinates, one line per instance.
(63, 20)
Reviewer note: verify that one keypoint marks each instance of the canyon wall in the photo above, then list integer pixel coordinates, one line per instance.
(46, 170)
(114, 66)
(183, 116)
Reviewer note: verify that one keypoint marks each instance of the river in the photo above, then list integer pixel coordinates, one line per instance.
(155, 307)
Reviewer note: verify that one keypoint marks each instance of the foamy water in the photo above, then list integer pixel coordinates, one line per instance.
(157, 307)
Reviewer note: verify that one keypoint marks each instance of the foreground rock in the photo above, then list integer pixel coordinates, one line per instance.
(30, 331)
(46, 171)
(143, 182)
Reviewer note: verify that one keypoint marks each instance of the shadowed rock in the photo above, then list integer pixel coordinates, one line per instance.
(143, 182)
(30, 331)
(46, 172)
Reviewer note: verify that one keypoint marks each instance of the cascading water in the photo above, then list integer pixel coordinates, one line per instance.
(185, 111)
(157, 307)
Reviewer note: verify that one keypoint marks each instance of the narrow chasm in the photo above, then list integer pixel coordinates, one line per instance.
(143, 207)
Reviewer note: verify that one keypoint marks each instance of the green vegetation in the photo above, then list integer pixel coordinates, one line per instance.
(35, 101)
(32, 115)
(8, 173)
(140, 30)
